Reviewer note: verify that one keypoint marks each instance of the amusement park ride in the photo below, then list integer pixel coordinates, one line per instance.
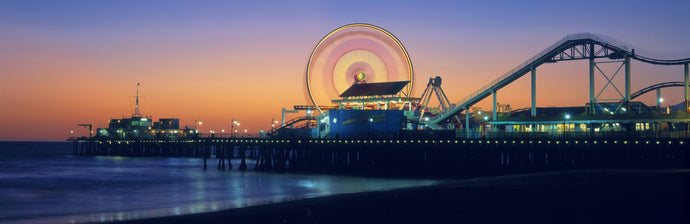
(359, 82)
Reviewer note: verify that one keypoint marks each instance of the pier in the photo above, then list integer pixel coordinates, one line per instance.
(373, 126)
(408, 157)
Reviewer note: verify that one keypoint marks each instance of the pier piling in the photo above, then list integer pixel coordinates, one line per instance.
(409, 157)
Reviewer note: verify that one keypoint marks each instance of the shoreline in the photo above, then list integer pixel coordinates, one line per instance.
(577, 196)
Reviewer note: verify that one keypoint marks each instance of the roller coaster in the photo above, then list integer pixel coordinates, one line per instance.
(572, 47)
(656, 87)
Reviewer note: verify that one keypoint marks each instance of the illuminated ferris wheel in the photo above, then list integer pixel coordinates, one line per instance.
(355, 53)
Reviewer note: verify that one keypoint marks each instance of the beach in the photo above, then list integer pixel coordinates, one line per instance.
(579, 196)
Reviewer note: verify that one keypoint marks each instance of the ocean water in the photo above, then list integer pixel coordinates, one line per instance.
(43, 183)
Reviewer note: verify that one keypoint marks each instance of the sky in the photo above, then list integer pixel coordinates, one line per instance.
(68, 62)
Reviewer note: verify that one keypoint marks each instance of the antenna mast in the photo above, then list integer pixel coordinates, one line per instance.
(136, 109)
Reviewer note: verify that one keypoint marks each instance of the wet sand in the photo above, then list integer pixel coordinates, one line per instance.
(583, 196)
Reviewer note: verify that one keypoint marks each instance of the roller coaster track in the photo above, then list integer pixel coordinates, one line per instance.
(656, 86)
(571, 47)
(289, 123)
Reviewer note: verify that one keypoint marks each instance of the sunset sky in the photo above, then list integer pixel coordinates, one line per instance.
(69, 62)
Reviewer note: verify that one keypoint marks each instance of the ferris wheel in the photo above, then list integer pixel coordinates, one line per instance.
(355, 53)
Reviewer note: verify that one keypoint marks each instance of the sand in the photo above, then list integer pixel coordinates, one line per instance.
(582, 196)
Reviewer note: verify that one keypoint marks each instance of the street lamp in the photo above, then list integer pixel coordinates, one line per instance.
(274, 123)
(232, 126)
(567, 117)
(245, 132)
(484, 125)
(197, 122)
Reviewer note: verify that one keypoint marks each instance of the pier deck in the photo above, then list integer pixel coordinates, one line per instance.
(408, 157)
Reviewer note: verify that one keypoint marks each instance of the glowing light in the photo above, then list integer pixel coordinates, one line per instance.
(661, 100)
(567, 116)
(361, 76)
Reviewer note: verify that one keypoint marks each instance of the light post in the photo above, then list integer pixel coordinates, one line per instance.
(484, 124)
(232, 126)
(245, 133)
(567, 117)
(197, 122)
(222, 132)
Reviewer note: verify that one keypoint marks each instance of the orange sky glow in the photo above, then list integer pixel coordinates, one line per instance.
(200, 62)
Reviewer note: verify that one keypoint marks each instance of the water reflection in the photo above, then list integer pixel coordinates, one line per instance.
(98, 189)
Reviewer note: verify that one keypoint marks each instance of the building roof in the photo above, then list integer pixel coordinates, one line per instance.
(375, 89)
(550, 111)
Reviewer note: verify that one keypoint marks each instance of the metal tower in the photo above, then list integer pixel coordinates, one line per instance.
(136, 107)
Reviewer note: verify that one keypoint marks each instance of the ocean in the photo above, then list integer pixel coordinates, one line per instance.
(42, 182)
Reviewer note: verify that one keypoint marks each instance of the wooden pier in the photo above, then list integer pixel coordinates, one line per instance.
(407, 157)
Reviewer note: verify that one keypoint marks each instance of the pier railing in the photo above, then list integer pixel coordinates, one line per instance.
(411, 157)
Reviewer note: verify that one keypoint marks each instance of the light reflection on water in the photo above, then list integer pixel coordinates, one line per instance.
(68, 189)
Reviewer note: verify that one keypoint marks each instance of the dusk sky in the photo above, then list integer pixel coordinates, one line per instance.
(68, 62)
